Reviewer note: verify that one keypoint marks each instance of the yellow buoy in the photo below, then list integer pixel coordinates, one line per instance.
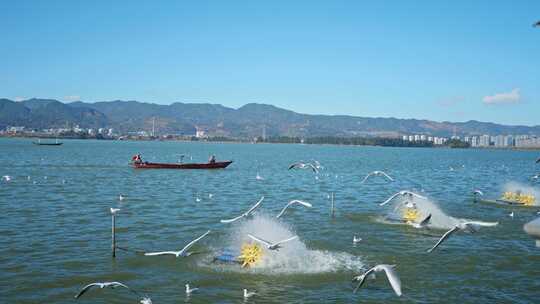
(250, 254)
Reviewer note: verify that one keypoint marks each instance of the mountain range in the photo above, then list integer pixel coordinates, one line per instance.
(247, 121)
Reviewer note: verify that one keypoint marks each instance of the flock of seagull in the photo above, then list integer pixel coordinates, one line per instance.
(395, 283)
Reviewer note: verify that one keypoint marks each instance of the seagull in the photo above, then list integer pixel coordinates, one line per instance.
(258, 177)
(537, 24)
(245, 214)
(184, 252)
(270, 246)
(478, 192)
(114, 210)
(146, 300)
(6, 178)
(121, 197)
(210, 195)
(248, 294)
(301, 165)
(511, 214)
(390, 274)
(403, 193)
(377, 173)
(356, 239)
(536, 176)
(102, 285)
(197, 199)
(470, 226)
(190, 290)
(305, 204)
(423, 223)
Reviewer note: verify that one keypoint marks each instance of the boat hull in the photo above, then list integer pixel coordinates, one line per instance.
(216, 165)
(47, 144)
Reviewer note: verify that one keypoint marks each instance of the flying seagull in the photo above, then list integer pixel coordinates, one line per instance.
(245, 214)
(146, 300)
(190, 290)
(469, 226)
(102, 285)
(377, 173)
(301, 165)
(538, 160)
(356, 239)
(6, 178)
(402, 193)
(390, 274)
(272, 246)
(305, 204)
(248, 294)
(537, 24)
(478, 192)
(184, 252)
(114, 210)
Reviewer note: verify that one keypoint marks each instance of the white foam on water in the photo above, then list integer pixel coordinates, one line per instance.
(292, 258)
(528, 190)
(439, 219)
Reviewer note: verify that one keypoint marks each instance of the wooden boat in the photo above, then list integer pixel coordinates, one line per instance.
(215, 165)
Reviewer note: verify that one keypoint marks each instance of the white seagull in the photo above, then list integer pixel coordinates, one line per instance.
(184, 252)
(259, 177)
(121, 197)
(272, 246)
(245, 214)
(478, 192)
(511, 214)
(190, 290)
(146, 300)
(402, 193)
(301, 165)
(390, 274)
(102, 285)
(356, 239)
(248, 294)
(377, 173)
(469, 226)
(305, 204)
(114, 210)
(6, 178)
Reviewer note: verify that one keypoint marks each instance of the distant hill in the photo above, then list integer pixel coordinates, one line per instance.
(249, 120)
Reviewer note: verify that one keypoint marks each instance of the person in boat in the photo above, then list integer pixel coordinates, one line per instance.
(212, 159)
(137, 158)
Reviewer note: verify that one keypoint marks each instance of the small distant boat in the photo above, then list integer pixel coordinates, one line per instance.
(212, 165)
(55, 143)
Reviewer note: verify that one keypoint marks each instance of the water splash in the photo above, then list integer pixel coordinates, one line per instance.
(528, 190)
(293, 257)
(439, 219)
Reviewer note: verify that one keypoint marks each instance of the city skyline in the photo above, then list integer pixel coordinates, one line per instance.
(443, 62)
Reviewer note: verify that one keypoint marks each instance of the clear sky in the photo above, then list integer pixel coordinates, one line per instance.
(450, 60)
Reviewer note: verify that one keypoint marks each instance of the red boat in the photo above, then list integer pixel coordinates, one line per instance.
(212, 165)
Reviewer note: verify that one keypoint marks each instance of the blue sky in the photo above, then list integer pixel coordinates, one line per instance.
(452, 60)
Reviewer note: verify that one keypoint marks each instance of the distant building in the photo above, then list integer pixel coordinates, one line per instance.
(200, 133)
(484, 141)
(416, 137)
(411, 138)
(405, 137)
(422, 137)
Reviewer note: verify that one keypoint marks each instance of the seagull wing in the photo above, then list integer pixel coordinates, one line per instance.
(286, 240)
(314, 168)
(392, 278)
(444, 237)
(85, 289)
(389, 199)
(233, 219)
(161, 253)
(293, 166)
(193, 242)
(284, 208)
(417, 195)
(259, 240)
(362, 279)
(387, 176)
(305, 204)
(481, 224)
(365, 178)
(254, 206)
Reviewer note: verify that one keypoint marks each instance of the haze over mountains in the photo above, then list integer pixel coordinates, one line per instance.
(247, 121)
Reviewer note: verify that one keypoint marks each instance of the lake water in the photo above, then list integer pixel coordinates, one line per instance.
(55, 225)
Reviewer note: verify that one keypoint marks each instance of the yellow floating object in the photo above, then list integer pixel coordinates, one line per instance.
(250, 254)
(410, 215)
(525, 199)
